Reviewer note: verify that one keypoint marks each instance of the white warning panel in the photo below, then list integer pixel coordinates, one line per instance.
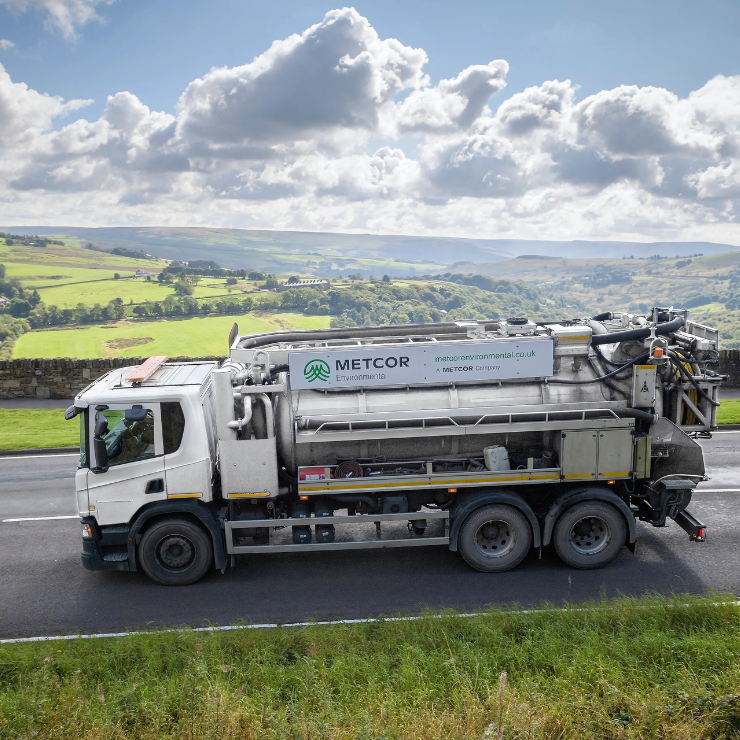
(643, 386)
(407, 364)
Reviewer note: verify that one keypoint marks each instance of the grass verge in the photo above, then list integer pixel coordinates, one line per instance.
(23, 429)
(651, 668)
(729, 411)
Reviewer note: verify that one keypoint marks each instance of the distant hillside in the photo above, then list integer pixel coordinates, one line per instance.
(281, 251)
(328, 254)
(605, 249)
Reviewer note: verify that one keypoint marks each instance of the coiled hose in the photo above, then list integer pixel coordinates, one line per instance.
(622, 336)
(674, 358)
(601, 378)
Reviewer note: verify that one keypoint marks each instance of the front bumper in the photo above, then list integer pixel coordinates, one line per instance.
(106, 549)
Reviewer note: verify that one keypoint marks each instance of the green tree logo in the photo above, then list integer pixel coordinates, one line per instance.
(316, 370)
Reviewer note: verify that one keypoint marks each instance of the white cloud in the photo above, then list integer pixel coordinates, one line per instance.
(537, 109)
(24, 113)
(64, 15)
(338, 129)
(6, 45)
(337, 76)
(454, 103)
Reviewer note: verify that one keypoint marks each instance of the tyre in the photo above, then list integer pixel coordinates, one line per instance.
(175, 552)
(590, 534)
(494, 538)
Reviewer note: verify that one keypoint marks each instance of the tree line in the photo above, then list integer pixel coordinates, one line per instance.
(28, 241)
(461, 297)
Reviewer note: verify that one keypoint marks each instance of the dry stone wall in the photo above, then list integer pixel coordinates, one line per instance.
(64, 378)
(729, 364)
(61, 378)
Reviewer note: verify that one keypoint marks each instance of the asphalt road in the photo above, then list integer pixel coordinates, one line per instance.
(45, 591)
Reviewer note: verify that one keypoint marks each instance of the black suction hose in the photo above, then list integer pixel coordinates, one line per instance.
(601, 377)
(600, 355)
(607, 382)
(603, 316)
(623, 336)
(637, 414)
(690, 378)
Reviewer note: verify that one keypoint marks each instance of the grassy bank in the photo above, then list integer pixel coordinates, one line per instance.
(649, 669)
(197, 336)
(22, 429)
(729, 411)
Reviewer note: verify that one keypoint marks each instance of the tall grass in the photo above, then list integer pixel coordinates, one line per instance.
(625, 669)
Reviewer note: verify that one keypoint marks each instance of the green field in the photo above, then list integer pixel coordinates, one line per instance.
(729, 411)
(23, 429)
(33, 275)
(36, 261)
(652, 668)
(129, 290)
(172, 337)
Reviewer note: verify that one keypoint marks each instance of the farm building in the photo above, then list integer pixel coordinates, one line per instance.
(318, 284)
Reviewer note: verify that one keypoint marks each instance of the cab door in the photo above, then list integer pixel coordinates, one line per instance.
(134, 475)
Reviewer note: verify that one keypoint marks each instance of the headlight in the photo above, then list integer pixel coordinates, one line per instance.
(86, 531)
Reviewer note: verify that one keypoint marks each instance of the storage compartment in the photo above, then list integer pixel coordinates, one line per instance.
(248, 468)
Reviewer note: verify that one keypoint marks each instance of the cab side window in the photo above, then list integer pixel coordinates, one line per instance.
(129, 439)
(173, 426)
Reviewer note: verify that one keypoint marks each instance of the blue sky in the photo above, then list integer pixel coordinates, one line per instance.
(153, 48)
(413, 117)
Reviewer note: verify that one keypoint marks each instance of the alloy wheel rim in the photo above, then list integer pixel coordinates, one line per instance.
(495, 538)
(590, 535)
(176, 552)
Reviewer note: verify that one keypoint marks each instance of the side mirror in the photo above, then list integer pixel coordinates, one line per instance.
(101, 425)
(101, 455)
(101, 451)
(70, 413)
(135, 413)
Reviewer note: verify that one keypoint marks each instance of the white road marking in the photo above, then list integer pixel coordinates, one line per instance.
(717, 490)
(41, 518)
(730, 431)
(326, 623)
(58, 454)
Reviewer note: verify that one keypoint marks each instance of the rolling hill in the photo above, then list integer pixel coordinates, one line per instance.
(333, 254)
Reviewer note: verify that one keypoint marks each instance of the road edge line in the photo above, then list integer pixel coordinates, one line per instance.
(321, 623)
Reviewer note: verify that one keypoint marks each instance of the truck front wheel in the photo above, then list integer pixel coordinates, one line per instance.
(175, 552)
(495, 538)
(589, 535)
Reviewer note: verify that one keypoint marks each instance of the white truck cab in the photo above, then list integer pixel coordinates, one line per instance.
(143, 443)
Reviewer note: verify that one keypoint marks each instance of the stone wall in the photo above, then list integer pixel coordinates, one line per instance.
(64, 378)
(61, 378)
(729, 364)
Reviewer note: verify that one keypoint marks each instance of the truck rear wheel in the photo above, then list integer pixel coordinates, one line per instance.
(495, 538)
(175, 552)
(589, 535)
